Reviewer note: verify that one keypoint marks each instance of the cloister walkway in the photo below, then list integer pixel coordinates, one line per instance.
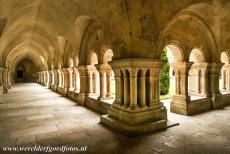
(31, 114)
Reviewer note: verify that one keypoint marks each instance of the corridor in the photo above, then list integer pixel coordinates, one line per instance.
(32, 114)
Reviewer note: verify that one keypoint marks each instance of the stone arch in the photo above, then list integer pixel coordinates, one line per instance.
(91, 35)
(197, 56)
(93, 58)
(225, 58)
(107, 55)
(199, 34)
(177, 51)
(70, 62)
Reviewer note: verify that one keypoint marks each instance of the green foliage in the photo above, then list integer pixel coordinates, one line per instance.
(164, 75)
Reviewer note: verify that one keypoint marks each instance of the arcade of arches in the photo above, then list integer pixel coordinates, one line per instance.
(106, 55)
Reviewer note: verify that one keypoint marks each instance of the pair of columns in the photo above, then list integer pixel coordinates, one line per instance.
(89, 77)
(105, 72)
(137, 108)
(197, 82)
(225, 74)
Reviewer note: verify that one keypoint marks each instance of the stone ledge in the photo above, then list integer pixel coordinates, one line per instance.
(132, 130)
(191, 107)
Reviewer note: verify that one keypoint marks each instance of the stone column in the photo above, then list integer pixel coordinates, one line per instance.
(102, 85)
(142, 88)
(5, 89)
(105, 81)
(84, 82)
(47, 79)
(56, 80)
(90, 83)
(119, 88)
(133, 88)
(223, 72)
(181, 99)
(130, 117)
(1, 80)
(126, 87)
(59, 78)
(66, 79)
(70, 80)
(76, 86)
(213, 85)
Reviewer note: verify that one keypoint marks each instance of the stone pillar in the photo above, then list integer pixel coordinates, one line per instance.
(90, 81)
(84, 84)
(65, 80)
(5, 88)
(70, 81)
(181, 99)
(50, 74)
(47, 79)
(55, 82)
(213, 85)
(105, 81)
(203, 81)
(59, 78)
(108, 84)
(198, 81)
(143, 88)
(1, 80)
(133, 88)
(8, 77)
(119, 79)
(131, 118)
(76, 86)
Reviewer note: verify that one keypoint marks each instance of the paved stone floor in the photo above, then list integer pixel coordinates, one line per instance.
(31, 114)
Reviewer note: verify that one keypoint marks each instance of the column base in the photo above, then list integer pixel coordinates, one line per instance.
(62, 91)
(132, 130)
(135, 122)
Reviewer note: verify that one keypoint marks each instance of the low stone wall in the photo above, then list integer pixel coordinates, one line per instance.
(198, 106)
(97, 105)
(226, 99)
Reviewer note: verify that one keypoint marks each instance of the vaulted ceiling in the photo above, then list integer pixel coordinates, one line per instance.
(48, 32)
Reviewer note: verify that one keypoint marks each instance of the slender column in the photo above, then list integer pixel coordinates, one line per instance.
(94, 83)
(65, 78)
(102, 84)
(76, 78)
(126, 88)
(108, 81)
(142, 88)
(198, 81)
(223, 79)
(119, 87)
(70, 80)
(203, 81)
(90, 78)
(133, 88)
(59, 78)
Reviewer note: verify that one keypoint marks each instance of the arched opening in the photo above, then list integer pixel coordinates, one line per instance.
(224, 78)
(93, 75)
(196, 79)
(25, 71)
(109, 83)
(172, 55)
